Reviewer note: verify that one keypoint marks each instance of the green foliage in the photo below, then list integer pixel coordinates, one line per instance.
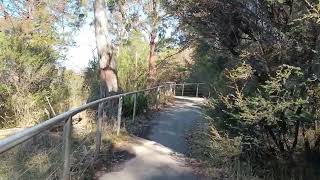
(92, 80)
(272, 121)
(27, 68)
(279, 94)
(132, 63)
(264, 123)
(141, 106)
(261, 58)
(31, 78)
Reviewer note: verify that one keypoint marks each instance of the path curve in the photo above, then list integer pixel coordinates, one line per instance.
(161, 157)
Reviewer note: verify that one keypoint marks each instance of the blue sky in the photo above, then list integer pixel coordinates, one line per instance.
(79, 55)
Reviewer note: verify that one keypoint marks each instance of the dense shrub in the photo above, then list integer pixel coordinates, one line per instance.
(128, 103)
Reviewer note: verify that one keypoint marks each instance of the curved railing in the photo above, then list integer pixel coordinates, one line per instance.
(66, 118)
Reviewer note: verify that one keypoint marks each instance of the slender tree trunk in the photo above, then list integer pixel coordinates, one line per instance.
(296, 135)
(152, 60)
(107, 61)
(136, 70)
(296, 130)
(276, 140)
(152, 51)
(307, 147)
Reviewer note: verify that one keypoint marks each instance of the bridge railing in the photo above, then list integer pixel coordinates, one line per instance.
(37, 137)
(192, 89)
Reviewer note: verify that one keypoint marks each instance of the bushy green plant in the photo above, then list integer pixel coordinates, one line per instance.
(27, 70)
(273, 123)
(274, 115)
(132, 63)
(128, 104)
(92, 80)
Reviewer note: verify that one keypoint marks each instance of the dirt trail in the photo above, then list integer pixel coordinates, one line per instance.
(161, 157)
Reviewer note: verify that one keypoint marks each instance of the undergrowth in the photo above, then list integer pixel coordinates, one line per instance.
(218, 153)
(226, 156)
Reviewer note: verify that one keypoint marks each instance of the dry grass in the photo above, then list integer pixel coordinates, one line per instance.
(41, 156)
(221, 158)
(218, 154)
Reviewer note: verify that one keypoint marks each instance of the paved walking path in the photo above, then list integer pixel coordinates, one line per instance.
(162, 156)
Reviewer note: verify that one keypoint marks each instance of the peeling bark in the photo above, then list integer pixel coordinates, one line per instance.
(107, 61)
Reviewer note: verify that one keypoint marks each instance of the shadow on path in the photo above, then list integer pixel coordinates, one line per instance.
(161, 157)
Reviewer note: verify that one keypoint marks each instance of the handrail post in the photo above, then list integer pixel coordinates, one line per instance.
(182, 91)
(119, 115)
(134, 106)
(158, 98)
(66, 151)
(197, 93)
(174, 89)
(99, 129)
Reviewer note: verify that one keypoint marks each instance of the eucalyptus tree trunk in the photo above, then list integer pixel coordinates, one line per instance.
(153, 45)
(152, 59)
(107, 61)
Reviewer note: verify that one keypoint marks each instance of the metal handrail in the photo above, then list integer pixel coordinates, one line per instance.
(66, 117)
(26, 134)
(189, 84)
